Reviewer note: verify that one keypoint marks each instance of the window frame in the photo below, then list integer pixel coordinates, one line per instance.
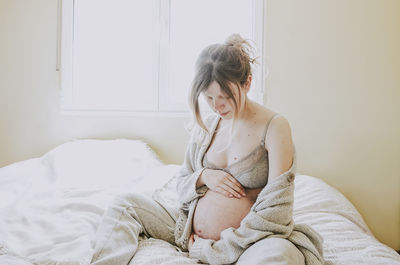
(64, 64)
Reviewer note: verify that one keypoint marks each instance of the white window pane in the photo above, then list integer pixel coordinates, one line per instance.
(115, 63)
(194, 25)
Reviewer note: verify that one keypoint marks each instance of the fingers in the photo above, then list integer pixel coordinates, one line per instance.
(235, 185)
(224, 183)
(231, 192)
(223, 192)
(228, 191)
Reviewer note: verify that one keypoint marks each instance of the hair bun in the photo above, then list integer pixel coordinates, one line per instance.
(235, 40)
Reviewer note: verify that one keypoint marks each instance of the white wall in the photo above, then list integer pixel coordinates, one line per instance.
(29, 94)
(334, 73)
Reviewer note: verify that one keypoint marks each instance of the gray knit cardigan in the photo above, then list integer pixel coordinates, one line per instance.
(270, 216)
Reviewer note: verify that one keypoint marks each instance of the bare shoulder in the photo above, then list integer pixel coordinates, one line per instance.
(279, 131)
(266, 114)
(263, 114)
(279, 127)
(279, 144)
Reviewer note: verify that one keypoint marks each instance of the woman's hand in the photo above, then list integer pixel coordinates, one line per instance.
(222, 182)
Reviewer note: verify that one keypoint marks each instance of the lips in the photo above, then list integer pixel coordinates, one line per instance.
(224, 114)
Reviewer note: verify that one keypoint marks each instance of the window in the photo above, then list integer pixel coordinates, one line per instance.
(138, 56)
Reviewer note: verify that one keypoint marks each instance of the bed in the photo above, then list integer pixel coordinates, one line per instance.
(50, 207)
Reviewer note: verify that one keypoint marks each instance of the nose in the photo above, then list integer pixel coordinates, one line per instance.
(219, 105)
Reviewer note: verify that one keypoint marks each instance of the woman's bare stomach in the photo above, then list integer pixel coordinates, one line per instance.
(216, 212)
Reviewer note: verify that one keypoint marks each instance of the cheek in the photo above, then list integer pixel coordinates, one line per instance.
(210, 103)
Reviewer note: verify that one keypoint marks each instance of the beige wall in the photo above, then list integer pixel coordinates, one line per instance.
(334, 72)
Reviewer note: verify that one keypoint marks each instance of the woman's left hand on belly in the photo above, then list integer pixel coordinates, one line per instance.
(222, 182)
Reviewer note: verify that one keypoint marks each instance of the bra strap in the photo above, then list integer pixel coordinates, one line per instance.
(266, 129)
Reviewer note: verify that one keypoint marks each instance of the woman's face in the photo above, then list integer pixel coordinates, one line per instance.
(219, 102)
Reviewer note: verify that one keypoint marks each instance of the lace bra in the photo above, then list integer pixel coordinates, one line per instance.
(252, 170)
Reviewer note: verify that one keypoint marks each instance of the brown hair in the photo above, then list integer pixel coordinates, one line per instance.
(228, 64)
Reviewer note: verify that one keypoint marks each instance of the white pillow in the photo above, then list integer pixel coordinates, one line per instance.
(100, 164)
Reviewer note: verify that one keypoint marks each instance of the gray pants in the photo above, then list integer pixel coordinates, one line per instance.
(132, 214)
(272, 251)
(128, 216)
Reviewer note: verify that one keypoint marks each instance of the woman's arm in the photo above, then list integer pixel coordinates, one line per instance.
(187, 178)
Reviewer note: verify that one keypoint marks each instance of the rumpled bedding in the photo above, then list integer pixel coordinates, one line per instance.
(50, 207)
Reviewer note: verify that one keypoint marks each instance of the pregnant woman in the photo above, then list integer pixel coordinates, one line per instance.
(246, 142)
(235, 187)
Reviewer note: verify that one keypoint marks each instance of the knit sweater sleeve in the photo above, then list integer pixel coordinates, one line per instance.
(190, 172)
(271, 215)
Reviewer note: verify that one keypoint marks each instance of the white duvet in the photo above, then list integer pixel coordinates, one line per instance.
(50, 207)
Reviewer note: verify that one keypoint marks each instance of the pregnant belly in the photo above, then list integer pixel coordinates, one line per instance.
(216, 212)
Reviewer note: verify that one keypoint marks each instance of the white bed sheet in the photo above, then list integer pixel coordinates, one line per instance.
(50, 207)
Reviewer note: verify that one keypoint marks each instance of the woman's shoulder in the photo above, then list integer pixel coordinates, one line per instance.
(279, 144)
(265, 115)
(279, 132)
(279, 127)
(276, 124)
(271, 117)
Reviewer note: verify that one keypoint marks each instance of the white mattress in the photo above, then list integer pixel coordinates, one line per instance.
(50, 207)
